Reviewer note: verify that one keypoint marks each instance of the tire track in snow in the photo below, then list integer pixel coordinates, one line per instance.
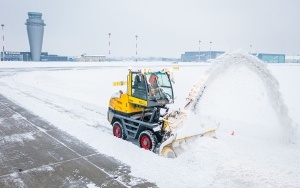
(74, 113)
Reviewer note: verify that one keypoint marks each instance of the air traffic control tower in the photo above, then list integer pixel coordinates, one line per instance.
(35, 31)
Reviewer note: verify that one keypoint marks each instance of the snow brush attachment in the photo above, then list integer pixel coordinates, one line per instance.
(173, 146)
(168, 152)
(166, 149)
(179, 130)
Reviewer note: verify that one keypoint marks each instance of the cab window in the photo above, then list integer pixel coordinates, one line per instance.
(139, 87)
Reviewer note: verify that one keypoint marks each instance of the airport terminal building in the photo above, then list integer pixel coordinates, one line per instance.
(26, 56)
(271, 58)
(202, 56)
(206, 56)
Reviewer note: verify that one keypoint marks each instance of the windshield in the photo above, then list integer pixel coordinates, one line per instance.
(160, 86)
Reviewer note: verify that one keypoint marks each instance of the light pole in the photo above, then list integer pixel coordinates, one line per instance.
(210, 50)
(2, 25)
(136, 37)
(293, 57)
(109, 34)
(199, 51)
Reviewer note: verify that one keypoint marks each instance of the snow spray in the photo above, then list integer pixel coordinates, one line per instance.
(257, 66)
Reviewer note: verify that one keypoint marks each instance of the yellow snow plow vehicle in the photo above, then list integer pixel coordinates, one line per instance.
(142, 112)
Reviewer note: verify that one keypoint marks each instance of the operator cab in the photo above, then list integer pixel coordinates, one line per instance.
(153, 88)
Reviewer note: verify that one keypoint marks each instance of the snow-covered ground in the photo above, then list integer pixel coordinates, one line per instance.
(260, 103)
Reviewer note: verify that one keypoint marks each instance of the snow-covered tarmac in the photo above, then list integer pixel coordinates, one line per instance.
(74, 98)
(36, 154)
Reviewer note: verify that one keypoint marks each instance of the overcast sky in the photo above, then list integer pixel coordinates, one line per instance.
(165, 28)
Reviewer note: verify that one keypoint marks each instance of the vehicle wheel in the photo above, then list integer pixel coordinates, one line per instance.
(148, 140)
(118, 130)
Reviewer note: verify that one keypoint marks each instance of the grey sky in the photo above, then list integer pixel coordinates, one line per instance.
(164, 27)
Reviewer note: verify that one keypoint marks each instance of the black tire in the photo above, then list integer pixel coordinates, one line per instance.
(118, 130)
(148, 140)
